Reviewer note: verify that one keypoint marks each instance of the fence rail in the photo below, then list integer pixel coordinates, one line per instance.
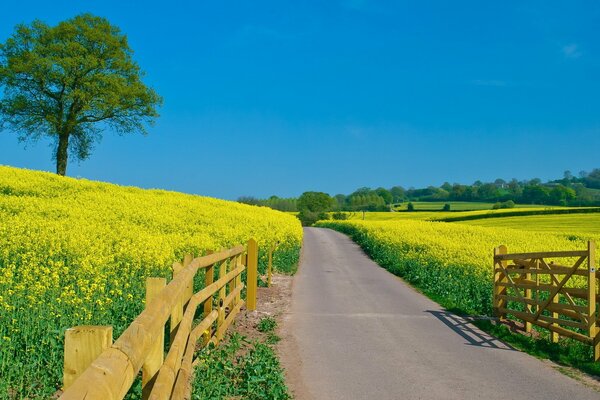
(96, 368)
(560, 297)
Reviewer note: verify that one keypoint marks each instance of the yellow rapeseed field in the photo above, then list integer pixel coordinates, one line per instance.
(76, 252)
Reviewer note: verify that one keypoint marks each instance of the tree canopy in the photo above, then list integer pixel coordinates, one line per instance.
(70, 82)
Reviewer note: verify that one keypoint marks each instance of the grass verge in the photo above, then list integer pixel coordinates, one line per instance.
(567, 352)
(241, 369)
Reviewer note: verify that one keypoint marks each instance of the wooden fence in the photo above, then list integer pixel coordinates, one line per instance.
(96, 368)
(560, 297)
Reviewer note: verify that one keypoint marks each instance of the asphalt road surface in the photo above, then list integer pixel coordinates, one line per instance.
(355, 331)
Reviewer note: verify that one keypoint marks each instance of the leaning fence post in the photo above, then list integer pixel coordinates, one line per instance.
(222, 292)
(499, 278)
(593, 330)
(83, 344)
(156, 355)
(252, 275)
(177, 313)
(189, 289)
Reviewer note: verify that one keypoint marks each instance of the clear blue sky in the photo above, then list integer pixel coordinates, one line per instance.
(279, 97)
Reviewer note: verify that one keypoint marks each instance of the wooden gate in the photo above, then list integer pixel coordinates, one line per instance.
(554, 290)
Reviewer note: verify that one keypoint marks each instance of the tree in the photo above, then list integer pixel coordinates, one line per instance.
(69, 82)
(501, 183)
(248, 200)
(446, 186)
(385, 194)
(313, 206)
(535, 194)
(561, 195)
(398, 193)
(341, 201)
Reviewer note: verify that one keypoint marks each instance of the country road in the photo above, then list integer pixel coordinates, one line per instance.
(355, 331)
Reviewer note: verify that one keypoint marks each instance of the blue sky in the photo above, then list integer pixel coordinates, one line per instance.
(274, 97)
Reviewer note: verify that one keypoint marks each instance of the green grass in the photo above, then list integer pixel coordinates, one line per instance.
(239, 369)
(567, 352)
(584, 224)
(386, 215)
(267, 324)
(454, 205)
(445, 215)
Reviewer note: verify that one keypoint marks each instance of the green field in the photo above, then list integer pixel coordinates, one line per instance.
(568, 223)
(438, 215)
(387, 216)
(455, 206)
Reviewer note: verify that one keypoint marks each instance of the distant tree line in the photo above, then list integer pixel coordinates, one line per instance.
(276, 203)
(570, 190)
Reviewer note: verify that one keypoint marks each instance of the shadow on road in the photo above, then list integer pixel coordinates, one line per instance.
(473, 335)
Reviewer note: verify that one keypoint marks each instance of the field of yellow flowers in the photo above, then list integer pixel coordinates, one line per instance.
(450, 262)
(76, 252)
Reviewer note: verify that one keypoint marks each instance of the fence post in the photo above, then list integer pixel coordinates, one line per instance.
(177, 313)
(238, 279)
(83, 344)
(222, 293)
(156, 354)
(593, 330)
(252, 275)
(498, 278)
(189, 289)
(528, 297)
(209, 278)
(231, 286)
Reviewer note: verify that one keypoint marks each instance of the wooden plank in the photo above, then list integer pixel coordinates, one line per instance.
(592, 328)
(499, 277)
(569, 323)
(252, 275)
(221, 300)
(555, 314)
(513, 285)
(232, 296)
(560, 330)
(559, 286)
(238, 280)
(566, 295)
(525, 316)
(527, 295)
(209, 276)
(548, 254)
(156, 354)
(182, 387)
(553, 271)
(177, 312)
(232, 264)
(189, 290)
(572, 311)
(212, 258)
(231, 317)
(83, 344)
(220, 329)
(578, 292)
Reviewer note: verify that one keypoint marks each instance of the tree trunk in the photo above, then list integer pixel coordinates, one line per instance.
(62, 154)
